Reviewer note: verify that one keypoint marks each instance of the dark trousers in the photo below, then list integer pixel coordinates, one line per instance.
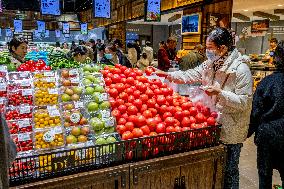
(267, 157)
(232, 166)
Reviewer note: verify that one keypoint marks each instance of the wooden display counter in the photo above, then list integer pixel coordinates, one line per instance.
(199, 169)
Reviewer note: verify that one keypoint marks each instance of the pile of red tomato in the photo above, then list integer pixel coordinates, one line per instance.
(144, 107)
(33, 66)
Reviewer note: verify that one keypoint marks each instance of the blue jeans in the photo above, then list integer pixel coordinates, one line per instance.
(232, 166)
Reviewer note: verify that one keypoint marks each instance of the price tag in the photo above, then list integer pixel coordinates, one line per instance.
(75, 118)
(50, 79)
(3, 87)
(3, 68)
(24, 137)
(27, 92)
(48, 74)
(105, 114)
(73, 72)
(110, 122)
(53, 91)
(104, 96)
(26, 83)
(2, 100)
(57, 130)
(79, 104)
(25, 110)
(54, 113)
(24, 74)
(24, 123)
(75, 80)
(51, 108)
(49, 136)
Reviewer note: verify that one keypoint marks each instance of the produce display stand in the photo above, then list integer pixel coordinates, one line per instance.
(131, 164)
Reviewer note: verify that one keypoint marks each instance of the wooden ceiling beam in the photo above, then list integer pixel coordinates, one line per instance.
(241, 17)
(266, 15)
(174, 18)
(279, 11)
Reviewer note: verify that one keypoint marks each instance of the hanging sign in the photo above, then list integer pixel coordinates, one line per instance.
(50, 7)
(84, 28)
(101, 8)
(153, 11)
(65, 28)
(18, 26)
(57, 33)
(41, 26)
(9, 33)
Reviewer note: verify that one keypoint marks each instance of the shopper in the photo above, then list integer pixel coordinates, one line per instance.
(171, 47)
(132, 55)
(227, 79)
(149, 51)
(80, 54)
(73, 45)
(92, 45)
(143, 63)
(18, 50)
(8, 153)
(65, 46)
(138, 48)
(193, 58)
(270, 52)
(164, 61)
(106, 55)
(122, 59)
(267, 122)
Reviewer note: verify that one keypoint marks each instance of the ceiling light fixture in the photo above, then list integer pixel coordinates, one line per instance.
(246, 10)
(279, 5)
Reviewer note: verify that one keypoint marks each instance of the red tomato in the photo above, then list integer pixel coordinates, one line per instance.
(149, 71)
(116, 78)
(119, 87)
(110, 75)
(121, 121)
(121, 129)
(152, 123)
(161, 100)
(206, 111)
(178, 129)
(147, 114)
(143, 79)
(200, 118)
(199, 106)
(113, 93)
(129, 91)
(132, 118)
(123, 96)
(138, 103)
(117, 66)
(130, 80)
(127, 72)
(163, 109)
(171, 91)
(139, 72)
(127, 135)
(153, 111)
(193, 111)
(157, 82)
(146, 130)
(186, 105)
(161, 128)
(170, 99)
(137, 94)
(116, 114)
(132, 74)
(123, 80)
(119, 102)
(143, 97)
(116, 71)
(108, 81)
(170, 121)
(185, 122)
(137, 133)
(151, 103)
(122, 108)
(179, 116)
(211, 121)
(140, 86)
(167, 114)
(131, 99)
(149, 92)
(132, 110)
(185, 129)
(153, 134)
(192, 119)
(140, 121)
(125, 116)
(170, 129)
(214, 115)
(171, 109)
(129, 126)
(123, 68)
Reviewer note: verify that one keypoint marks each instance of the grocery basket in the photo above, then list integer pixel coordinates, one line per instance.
(71, 161)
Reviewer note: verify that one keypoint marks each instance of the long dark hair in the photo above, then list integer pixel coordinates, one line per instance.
(16, 42)
(279, 56)
(221, 36)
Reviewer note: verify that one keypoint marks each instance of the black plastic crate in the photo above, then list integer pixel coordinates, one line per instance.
(66, 162)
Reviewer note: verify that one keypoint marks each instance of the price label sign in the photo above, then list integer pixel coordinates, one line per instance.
(73, 72)
(49, 136)
(24, 123)
(75, 117)
(48, 74)
(84, 28)
(79, 104)
(54, 113)
(9, 33)
(24, 74)
(27, 92)
(57, 33)
(3, 87)
(75, 80)
(24, 137)
(25, 110)
(110, 122)
(53, 91)
(65, 28)
(2, 100)
(50, 7)
(18, 26)
(41, 26)
(57, 130)
(105, 114)
(26, 83)
(50, 79)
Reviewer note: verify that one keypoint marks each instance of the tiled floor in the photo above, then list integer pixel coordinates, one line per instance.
(248, 169)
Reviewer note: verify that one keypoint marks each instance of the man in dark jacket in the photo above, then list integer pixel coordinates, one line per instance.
(8, 152)
(167, 53)
(137, 47)
(267, 122)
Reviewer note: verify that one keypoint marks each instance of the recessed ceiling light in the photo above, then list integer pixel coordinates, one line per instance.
(246, 10)
(279, 5)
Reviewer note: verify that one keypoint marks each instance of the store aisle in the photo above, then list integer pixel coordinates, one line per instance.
(248, 168)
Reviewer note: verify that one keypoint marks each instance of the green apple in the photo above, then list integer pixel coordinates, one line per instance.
(78, 90)
(87, 68)
(99, 89)
(92, 106)
(65, 98)
(109, 129)
(101, 141)
(90, 90)
(111, 139)
(87, 82)
(97, 81)
(95, 97)
(97, 124)
(91, 78)
(96, 68)
(105, 105)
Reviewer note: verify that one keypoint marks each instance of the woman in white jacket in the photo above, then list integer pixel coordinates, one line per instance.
(227, 79)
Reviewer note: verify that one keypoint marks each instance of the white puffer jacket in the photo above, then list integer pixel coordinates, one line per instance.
(235, 100)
